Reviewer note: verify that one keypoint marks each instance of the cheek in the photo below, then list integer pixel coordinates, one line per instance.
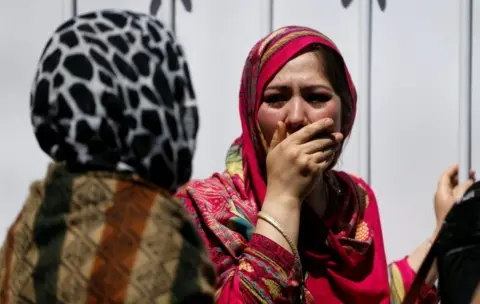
(267, 121)
(330, 110)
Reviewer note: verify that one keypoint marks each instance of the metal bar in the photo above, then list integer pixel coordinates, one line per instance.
(74, 8)
(173, 15)
(465, 93)
(271, 16)
(364, 96)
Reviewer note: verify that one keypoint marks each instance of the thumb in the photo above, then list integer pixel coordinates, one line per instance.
(279, 135)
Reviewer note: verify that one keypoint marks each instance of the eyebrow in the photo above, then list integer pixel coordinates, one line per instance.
(285, 87)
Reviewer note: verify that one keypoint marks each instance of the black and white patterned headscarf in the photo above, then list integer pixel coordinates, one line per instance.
(113, 92)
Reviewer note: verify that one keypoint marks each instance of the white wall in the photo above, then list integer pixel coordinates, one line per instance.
(414, 100)
(25, 26)
(476, 87)
(217, 37)
(414, 113)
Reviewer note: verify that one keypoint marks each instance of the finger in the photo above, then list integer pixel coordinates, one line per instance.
(323, 156)
(309, 131)
(455, 178)
(325, 142)
(445, 181)
(279, 135)
(472, 175)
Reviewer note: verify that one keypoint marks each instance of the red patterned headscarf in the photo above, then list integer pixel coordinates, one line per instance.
(266, 58)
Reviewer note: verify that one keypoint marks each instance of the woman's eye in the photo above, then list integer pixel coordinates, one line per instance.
(274, 99)
(319, 97)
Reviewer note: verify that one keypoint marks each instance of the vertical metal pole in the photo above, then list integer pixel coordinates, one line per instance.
(74, 8)
(173, 18)
(270, 16)
(465, 96)
(364, 96)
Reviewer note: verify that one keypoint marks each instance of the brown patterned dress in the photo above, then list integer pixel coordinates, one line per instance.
(102, 238)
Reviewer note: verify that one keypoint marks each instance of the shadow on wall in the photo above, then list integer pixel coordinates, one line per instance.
(381, 3)
(155, 5)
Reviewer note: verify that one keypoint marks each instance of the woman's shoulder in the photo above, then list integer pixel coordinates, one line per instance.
(219, 188)
(216, 194)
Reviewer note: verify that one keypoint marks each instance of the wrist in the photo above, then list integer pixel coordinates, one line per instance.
(285, 210)
(283, 201)
(282, 206)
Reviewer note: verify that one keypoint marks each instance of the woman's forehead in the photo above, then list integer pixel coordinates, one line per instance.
(304, 69)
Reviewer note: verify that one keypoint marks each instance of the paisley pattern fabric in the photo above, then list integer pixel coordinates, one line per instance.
(254, 269)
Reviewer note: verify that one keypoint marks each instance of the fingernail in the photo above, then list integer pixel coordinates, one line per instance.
(328, 121)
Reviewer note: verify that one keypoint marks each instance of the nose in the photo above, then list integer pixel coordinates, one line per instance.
(296, 115)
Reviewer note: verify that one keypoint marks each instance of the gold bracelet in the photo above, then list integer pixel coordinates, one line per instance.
(267, 218)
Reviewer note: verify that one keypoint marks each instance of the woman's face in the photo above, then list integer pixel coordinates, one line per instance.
(298, 95)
